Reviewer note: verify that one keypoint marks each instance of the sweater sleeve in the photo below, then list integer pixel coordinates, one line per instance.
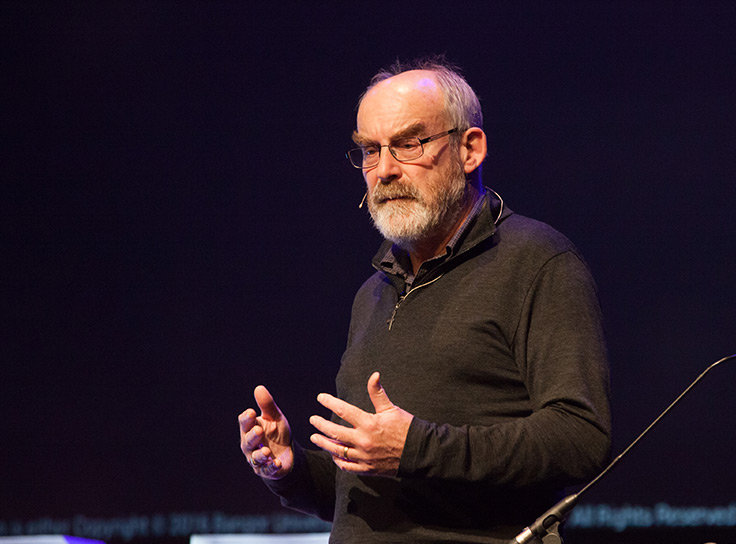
(310, 486)
(560, 354)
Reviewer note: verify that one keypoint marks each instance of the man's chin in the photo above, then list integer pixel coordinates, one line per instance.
(397, 230)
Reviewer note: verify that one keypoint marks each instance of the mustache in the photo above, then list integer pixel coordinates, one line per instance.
(382, 193)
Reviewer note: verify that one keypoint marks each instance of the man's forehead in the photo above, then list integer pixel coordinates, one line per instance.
(406, 84)
(414, 80)
(402, 100)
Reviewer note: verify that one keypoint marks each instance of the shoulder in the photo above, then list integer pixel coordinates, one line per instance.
(523, 248)
(521, 233)
(373, 286)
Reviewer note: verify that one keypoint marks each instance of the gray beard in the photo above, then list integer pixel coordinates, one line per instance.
(408, 223)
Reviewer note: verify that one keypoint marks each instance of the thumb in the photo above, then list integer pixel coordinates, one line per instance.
(265, 401)
(378, 395)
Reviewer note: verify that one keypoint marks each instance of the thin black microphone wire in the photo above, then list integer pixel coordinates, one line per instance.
(653, 423)
(558, 513)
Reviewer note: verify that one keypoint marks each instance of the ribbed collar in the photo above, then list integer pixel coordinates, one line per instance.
(479, 225)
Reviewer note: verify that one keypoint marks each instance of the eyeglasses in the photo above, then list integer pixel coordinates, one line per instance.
(403, 150)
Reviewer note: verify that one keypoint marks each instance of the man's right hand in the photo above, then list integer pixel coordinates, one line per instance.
(266, 439)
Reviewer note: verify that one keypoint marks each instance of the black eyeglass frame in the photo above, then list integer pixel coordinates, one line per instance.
(421, 141)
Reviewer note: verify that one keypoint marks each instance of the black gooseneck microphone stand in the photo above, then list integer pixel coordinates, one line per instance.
(547, 526)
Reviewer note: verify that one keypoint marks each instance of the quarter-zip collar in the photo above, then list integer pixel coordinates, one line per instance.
(480, 225)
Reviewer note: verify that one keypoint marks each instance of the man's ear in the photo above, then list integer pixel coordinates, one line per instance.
(474, 148)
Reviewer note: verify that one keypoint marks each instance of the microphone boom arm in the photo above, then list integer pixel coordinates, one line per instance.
(545, 528)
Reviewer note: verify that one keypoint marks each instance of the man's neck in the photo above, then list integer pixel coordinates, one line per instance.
(436, 244)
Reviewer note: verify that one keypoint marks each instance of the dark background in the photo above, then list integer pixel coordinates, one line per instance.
(179, 224)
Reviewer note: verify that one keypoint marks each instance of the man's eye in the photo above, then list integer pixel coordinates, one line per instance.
(369, 151)
(405, 145)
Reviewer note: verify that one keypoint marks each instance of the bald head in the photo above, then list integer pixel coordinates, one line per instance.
(419, 83)
(460, 101)
(410, 99)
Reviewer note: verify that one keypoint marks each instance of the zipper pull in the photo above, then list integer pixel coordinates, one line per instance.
(396, 308)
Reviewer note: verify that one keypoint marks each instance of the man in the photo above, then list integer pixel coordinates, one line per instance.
(482, 326)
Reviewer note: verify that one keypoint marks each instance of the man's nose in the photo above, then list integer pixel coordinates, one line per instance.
(388, 167)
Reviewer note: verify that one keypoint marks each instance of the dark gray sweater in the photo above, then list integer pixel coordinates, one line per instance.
(501, 361)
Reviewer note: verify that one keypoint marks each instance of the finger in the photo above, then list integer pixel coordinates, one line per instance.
(247, 419)
(262, 456)
(258, 458)
(269, 409)
(250, 432)
(345, 411)
(327, 444)
(263, 461)
(271, 466)
(253, 439)
(338, 433)
(335, 448)
(352, 465)
(378, 395)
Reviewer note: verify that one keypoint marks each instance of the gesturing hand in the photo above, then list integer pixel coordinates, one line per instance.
(374, 443)
(266, 439)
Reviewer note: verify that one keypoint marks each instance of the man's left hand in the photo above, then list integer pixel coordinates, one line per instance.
(374, 443)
